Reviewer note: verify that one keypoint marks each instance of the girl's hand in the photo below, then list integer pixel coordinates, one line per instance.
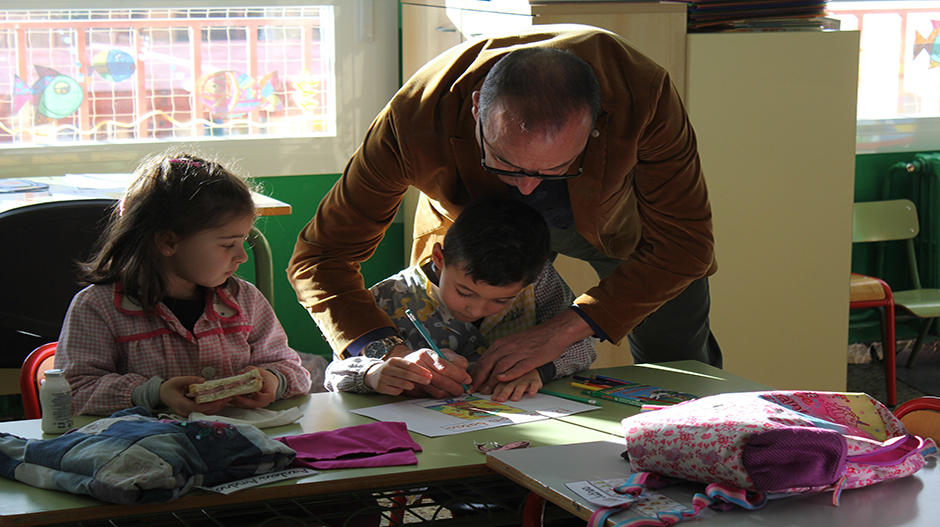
(173, 394)
(530, 383)
(261, 398)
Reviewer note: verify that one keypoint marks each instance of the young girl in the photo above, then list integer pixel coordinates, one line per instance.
(164, 309)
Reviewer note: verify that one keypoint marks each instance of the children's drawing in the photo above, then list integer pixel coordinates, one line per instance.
(113, 65)
(54, 95)
(929, 44)
(230, 93)
(471, 407)
(307, 91)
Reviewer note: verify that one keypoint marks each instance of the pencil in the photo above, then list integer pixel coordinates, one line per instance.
(586, 386)
(611, 379)
(427, 337)
(571, 397)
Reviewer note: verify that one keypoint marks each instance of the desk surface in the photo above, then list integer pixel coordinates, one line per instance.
(688, 376)
(443, 458)
(910, 501)
(108, 186)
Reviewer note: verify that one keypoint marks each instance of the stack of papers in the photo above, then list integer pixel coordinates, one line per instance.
(757, 15)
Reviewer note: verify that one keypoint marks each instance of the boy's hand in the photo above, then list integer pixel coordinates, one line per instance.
(396, 375)
(420, 373)
(261, 398)
(173, 394)
(530, 383)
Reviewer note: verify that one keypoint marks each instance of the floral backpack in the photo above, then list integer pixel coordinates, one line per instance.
(746, 446)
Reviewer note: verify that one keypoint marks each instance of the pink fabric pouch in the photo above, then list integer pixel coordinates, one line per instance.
(381, 444)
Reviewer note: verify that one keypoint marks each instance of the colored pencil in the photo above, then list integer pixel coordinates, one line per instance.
(427, 337)
(571, 397)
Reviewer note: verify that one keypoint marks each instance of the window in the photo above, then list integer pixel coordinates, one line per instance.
(93, 86)
(899, 73)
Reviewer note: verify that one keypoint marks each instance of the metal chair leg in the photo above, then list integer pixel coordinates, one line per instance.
(264, 268)
(533, 511)
(919, 342)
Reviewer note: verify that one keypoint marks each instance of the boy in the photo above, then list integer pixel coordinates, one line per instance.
(490, 279)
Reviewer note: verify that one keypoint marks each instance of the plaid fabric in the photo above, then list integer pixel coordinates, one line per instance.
(133, 458)
(411, 288)
(109, 346)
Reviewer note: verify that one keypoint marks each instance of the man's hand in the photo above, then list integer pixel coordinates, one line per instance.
(420, 373)
(530, 383)
(510, 357)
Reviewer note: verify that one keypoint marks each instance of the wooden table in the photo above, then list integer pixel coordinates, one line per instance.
(910, 501)
(443, 459)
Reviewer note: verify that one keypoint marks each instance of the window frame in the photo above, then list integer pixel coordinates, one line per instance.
(366, 73)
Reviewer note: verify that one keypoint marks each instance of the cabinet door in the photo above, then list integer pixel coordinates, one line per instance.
(427, 31)
(774, 114)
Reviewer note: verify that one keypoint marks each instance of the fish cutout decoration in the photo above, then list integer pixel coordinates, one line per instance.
(929, 44)
(54, 95)
(113, 65)
(230, 93)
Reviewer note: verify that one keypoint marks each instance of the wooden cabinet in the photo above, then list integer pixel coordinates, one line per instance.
(429, 27)
(774, 114)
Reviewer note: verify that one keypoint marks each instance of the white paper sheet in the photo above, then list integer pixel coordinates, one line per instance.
(440, 417)
(648, 504)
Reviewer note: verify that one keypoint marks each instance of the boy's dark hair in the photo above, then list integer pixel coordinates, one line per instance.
(174, 192)
(498, 241)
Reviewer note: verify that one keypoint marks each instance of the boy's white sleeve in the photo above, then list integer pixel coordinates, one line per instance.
(349, 375)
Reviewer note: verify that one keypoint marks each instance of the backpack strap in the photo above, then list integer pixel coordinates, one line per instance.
(717, 495)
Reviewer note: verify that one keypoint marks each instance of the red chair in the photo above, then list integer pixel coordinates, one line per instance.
(31, 375)
(921, 416)
(868, 292)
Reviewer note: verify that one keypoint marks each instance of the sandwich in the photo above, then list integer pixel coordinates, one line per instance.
(248, 382)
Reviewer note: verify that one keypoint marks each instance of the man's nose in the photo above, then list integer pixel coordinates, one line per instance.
(527, 184)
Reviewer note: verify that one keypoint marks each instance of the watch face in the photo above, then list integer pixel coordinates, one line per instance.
(375, 350)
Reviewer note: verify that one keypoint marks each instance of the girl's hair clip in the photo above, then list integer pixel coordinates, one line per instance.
(186, 162)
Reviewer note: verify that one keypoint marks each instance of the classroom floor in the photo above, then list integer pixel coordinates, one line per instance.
(870, 378)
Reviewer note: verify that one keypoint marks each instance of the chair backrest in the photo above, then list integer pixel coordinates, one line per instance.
(31, 375)
(41, 245)
(921, 416)
(881, 221)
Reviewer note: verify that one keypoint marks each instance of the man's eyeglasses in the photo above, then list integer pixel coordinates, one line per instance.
(519, 173)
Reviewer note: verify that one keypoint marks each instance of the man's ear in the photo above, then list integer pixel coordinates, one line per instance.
(167, 242)
(475, 109)
(437, 255)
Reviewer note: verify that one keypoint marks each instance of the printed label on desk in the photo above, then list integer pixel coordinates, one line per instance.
(602, 493)
(261, 479)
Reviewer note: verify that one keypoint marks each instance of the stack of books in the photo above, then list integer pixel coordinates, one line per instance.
(758, 15)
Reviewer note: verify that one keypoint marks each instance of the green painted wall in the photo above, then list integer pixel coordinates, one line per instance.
(304, 194)
(871, 171)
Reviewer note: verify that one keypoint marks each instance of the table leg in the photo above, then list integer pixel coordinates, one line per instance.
(264, 267)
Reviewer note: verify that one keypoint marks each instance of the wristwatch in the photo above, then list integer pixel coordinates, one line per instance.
(378, 349)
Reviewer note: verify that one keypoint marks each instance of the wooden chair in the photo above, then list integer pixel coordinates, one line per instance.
(878, 221)
(31, 375)
(867, 292)
(921, 416)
